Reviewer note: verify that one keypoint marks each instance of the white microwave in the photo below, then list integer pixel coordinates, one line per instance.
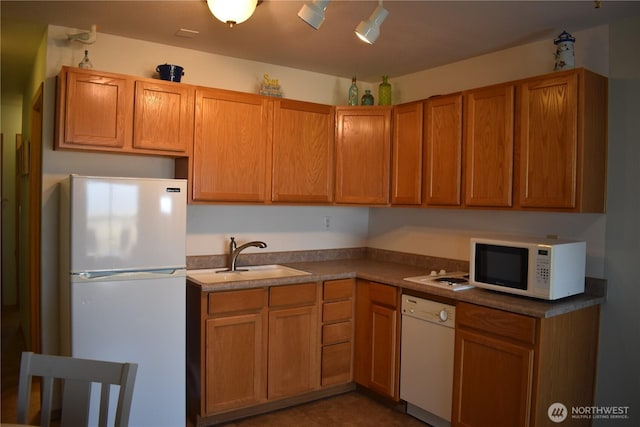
(535, 267)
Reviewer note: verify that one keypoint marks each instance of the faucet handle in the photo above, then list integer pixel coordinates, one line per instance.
(232, 244)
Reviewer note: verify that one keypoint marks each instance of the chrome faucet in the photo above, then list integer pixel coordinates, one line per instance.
(235, 250)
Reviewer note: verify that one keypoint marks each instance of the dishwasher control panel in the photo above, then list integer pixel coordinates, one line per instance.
(427, 310)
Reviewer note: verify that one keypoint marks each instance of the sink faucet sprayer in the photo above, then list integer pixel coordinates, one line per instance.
(235, 250)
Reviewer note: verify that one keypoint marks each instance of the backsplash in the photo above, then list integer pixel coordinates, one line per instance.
(262, 258)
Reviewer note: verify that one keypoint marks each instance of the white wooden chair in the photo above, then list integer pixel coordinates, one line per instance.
(78, 376)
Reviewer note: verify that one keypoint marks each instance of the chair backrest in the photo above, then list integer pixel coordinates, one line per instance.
(78, 375)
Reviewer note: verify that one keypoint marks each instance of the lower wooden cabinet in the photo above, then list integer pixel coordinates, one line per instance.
(234, 371)
(252, 346)
(337, 332)
(509, 368)
(377, 338)
(293, 340)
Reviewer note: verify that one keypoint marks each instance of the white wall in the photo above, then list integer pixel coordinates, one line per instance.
(446, 232)
(618, 368)
(591, 51)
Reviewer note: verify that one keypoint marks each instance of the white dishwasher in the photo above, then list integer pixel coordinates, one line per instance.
(426, 366)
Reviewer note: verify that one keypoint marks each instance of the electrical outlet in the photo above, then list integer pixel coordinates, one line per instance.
(327, 222)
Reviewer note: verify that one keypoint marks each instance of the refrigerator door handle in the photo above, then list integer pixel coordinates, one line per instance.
(92, 276)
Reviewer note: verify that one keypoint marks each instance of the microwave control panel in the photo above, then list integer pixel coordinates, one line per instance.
(542, 266)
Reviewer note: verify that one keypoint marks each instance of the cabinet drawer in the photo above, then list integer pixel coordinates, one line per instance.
(339, 310)
(496, 322)
(225, 302)
(338, 289)
(383, 294)
(336, 364)
(336, 332)
(303, 294)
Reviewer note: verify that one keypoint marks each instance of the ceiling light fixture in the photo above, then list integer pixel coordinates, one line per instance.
(232, 12)
(313, 13)
(369, 30)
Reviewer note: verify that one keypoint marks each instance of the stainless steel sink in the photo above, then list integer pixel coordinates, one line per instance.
(255, 272)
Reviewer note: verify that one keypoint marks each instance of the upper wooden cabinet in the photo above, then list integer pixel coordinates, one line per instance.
(363, 155)
(94, 110)
(406, 168)
(442, 174)
(100, 111)
(303, 145)
(488, 146)
(163, 117)
(562, 142)
(231, 147)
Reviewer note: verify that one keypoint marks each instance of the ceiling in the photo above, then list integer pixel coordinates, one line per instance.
(416, 35)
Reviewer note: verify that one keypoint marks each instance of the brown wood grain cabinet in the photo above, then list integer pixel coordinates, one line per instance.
(406, 154)
(509, 368)
(337, 332)
(101, 111)
(442, 174)
(94, 110)
(163, 116)
(562, 142)
(303, 152)
(250, 347)
(226, 350)
(488, 146)
(377, 338)
(363, 155)
(232, 147)
(293, 340)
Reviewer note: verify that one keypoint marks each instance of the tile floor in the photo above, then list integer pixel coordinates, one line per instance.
(347, 410)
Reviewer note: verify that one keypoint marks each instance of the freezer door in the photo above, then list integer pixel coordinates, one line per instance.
(126, 223)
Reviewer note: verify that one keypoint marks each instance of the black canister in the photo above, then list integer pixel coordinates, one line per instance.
(169, 72)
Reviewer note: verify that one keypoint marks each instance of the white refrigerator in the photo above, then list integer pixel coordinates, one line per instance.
(123, 268)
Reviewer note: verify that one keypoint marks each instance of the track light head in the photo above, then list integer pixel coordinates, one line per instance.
(313, 13)
(369, 30)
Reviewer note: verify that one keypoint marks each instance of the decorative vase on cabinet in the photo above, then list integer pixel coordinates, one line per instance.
(384, 91)
(367, 98)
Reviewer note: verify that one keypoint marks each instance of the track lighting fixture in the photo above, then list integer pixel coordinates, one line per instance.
(232, 12)
(313, 13)
(369, 30)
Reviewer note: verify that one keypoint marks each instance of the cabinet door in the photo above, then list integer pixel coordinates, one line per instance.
(406, 170)
(234, 368)
(376, 338)
(336, 363)
(303, 143)
(95, 111)
(493, 382)
(293, 351)
(488, 146)
(383, 349)
(443, 151)
(363, 154)
(548, 142)
(232, 147)
(163, 118)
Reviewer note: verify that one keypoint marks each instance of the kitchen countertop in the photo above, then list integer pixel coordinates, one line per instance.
(392, 273)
